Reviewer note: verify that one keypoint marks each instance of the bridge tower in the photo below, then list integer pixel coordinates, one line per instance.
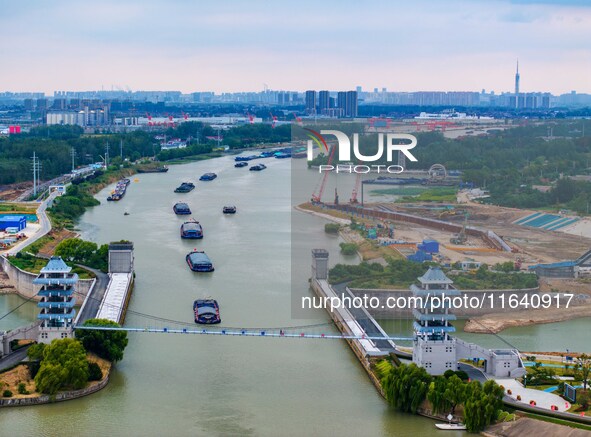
(433, 347)
(319, 264)
(57, 300)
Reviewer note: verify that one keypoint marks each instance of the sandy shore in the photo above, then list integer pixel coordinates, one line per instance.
(494, 323)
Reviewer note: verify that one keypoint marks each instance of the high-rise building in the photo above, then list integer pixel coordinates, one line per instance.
(41, 104)
(311, 102)
(323, 102)
(341, 102)
(517, 79)
(28, 104)
(351, 105)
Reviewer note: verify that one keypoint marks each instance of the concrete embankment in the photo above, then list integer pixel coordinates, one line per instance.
(346, 323)
(22, 282)
(61, 396)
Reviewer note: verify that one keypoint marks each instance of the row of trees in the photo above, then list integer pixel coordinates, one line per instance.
(63, 364)
(406, 388)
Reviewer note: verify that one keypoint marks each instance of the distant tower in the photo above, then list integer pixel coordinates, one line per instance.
(517, 85)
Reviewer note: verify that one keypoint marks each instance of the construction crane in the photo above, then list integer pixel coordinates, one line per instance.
(461, 238)
(316, 198)
(250, 117)
(274, 119)
(356, 187)
(297, 119)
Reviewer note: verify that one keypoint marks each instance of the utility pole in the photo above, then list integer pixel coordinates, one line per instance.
(36, 169)
(73, 154)
(107, 156)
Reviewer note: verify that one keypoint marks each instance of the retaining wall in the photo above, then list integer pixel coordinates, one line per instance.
(23, 281)
(47, 399)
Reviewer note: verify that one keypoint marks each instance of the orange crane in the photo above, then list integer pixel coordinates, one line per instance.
(356, 189)
(317, 198)
(250, 117)
(274, 118)
(297, 119)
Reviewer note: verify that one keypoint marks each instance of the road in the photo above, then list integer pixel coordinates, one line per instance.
(14, 358)
(45, 226)
(93, 302)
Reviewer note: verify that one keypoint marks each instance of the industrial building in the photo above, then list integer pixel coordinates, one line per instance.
(13, 223)
(565, 269)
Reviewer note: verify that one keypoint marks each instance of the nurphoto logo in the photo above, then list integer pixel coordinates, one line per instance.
(399, 143)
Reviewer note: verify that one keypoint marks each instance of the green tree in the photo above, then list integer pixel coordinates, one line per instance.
(64, 365)
(482, 404)
(583, 368)
(455, 392)
(106, 344)
(436, 395)
(406, 387)
(35, 352)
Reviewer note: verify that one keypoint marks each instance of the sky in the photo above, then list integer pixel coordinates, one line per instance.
(245, 45)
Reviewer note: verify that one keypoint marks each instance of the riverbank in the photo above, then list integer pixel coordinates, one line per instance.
(21, 375)
(495, 323)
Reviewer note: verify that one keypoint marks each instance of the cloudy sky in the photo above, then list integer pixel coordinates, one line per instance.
(224, 45)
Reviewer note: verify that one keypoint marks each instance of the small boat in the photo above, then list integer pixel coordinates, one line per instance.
(282, 155)
(191, 229)
(241, 164)
(126, 213)
(198, 261)
(162, 169)
(181, 208)
(451, 426)
(258, 167)
(230, 209)
(208, 177)
(185, 187)
(207, 311)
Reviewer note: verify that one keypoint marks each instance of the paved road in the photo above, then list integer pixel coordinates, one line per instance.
(14, 358)
(45, 226)
(473, 373)
(93, 303)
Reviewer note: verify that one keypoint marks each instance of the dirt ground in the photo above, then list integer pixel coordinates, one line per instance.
(526, 427)
(533, 245)
(58, 236)
(13, 191)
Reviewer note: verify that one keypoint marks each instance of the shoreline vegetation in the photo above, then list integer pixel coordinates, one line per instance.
(64, 369)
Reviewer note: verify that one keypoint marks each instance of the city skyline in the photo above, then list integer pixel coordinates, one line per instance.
(234, 46)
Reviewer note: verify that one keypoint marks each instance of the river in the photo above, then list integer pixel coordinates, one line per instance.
(198, 385)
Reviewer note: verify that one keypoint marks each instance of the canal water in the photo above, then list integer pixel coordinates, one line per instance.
(199, 385)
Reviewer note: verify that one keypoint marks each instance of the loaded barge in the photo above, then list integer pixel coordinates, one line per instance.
(119, 191)
(185, 187)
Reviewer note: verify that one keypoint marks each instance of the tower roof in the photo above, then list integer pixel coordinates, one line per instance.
(435, 276)
(56, 265)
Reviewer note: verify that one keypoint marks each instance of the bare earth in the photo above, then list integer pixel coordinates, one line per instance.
(526, 427)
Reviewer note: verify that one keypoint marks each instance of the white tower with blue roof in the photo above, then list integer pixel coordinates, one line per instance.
(58, 286)
(434, 349)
